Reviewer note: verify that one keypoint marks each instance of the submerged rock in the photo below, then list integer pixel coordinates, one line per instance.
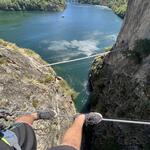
(121, 84)
(25, 87)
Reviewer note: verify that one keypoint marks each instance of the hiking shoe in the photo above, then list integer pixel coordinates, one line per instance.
(46, 115)
(93, 118)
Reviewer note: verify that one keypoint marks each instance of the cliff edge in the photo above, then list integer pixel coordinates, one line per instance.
(120, 84)
(24, 87)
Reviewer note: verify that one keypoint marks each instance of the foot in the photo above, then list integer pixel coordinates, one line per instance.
(46, 115)
(93, 118)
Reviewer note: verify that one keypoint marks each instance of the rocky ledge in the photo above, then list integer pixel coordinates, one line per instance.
(24, 87)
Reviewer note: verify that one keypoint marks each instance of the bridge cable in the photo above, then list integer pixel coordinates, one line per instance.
(114, 120)
(71, 118)
(74, 60)
(104, 119)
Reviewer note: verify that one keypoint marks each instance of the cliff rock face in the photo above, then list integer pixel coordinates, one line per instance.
(137, 24)
(24, 87)
(120, 84)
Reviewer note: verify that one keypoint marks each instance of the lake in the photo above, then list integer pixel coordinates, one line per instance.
(79, 31)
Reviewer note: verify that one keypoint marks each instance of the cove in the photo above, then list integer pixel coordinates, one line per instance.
(81, 30)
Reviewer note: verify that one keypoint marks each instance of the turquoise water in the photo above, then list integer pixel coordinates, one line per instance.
(81, 30)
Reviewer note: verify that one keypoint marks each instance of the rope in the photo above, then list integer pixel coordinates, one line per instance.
(103, 119)
(126, 121)
(112, 120)
(73, 60)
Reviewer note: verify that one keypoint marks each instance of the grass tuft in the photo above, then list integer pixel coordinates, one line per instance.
(64, 85)
(107, 49)
(47, 79)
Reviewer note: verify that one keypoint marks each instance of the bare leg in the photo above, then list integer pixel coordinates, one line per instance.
(73, 136)
(29, 119)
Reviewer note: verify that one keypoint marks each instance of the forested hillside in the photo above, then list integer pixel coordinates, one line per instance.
(118, 6)
(45, 5)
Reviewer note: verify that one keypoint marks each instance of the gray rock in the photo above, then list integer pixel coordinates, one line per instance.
(121, 85)
(24, 87)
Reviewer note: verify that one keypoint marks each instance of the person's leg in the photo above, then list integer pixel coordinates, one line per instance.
(24, 132)
(28, 119)
(73, 136)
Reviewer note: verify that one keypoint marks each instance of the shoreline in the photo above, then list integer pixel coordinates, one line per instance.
(118, 9)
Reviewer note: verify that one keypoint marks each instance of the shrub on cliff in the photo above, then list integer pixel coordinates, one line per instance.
(119, 8)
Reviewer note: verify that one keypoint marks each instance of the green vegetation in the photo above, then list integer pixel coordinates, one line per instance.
(3, 60)
(64, 85)
(107, 49)
(47, 79)
(35, 103)
(120, 9)
(18, 5)
(118, 6)
(30, 52)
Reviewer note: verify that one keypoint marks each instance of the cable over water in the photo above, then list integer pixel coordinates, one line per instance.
(126, 121)
(4, 112)
(74, 60)
(113, 120)
(104, 119)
